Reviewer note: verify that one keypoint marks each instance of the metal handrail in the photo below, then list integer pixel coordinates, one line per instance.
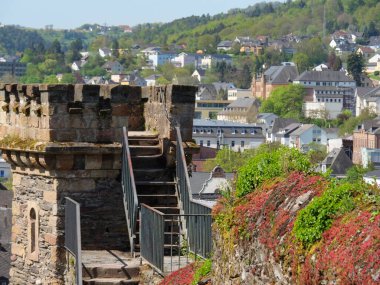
(129, 191)
(199, 240)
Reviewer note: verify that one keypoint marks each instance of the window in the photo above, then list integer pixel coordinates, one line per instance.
(2, 173)
(33, 229)
(243, 132)
(232, 143)
(217, 144)
(194, 131)
(201, 142)
(242, 143)
(208, 143)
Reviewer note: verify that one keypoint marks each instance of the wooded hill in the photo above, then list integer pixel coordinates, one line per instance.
(300, 17)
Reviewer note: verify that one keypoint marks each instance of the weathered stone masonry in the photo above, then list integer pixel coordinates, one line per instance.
(64, 141)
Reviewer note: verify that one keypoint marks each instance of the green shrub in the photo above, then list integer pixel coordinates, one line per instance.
(376, 73)
(267, 164)
(318, 216)
(202, 271)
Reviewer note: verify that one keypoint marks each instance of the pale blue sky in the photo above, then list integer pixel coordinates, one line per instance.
(74, 13)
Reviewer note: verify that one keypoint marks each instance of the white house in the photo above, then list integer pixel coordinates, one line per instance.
(199, 74)
(374, 59)
(113, 67)
(152, 79)
(105, 52)
(306, 134)
(160, 58)
(183, 59)
(209, 60)
(367, 98)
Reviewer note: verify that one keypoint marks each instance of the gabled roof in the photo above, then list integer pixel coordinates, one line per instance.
(207, 92)
(201, 72)
(303, 128)
(288, 129)
(281, 123)
(374, 41)
(282, 74)
(364, 92)
(242, 103)
(111, 64)
(338, 161)
(325, 75)
(225, 44)
(366, 49)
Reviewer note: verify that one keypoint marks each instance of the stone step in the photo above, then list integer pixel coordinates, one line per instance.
(151, 161)
(143, 141)
(158, 200)
(111, 281)
(152, 174)
(168, 210)
(111, 271)
(142, 135)
(143, 150)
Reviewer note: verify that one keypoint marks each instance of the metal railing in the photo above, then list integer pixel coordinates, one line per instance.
(198, 230)
(129, 191)
(73, 235)
(152, 236)
(163, 242)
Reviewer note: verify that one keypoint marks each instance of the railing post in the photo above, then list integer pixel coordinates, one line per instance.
(129, 190)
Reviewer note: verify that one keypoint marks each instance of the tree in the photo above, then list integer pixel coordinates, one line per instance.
(355, 66)
(302, 61)
(115, 48)
(285, 101)
(314, 49)
(334, 62)
(228, 159)
(68, 78)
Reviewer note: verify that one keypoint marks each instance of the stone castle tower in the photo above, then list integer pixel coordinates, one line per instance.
(65, 141)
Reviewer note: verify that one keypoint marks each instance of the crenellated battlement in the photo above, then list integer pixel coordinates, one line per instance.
(91, 113)
(75, 113)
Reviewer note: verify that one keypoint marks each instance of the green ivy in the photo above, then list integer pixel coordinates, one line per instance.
(269, 163)
(318, 216)
(202, 271)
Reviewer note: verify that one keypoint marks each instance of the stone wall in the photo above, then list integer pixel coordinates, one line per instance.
(170, 106)
(65, 141)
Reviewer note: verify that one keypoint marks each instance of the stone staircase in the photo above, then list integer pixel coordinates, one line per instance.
(155, 184)
(107, 267)
(155, 187)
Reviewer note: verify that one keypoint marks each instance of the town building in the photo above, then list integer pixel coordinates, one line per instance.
(242, 110)
(329, 92)
(236, 136)
(272, 78)
(367, 136)
(305, 134)
(337, 162)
